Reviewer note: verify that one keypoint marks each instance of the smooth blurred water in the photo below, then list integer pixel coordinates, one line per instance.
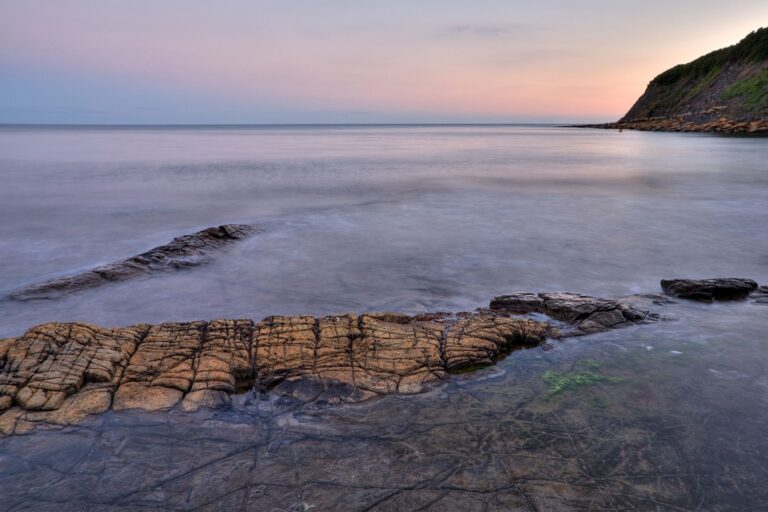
(408, 219)
(403, 218)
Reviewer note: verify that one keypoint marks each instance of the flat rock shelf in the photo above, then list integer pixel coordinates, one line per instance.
(59, 373)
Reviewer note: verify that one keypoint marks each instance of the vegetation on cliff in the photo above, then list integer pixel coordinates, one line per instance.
(726, 85)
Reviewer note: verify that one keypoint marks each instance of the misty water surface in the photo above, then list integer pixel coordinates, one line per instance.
(673, 415)
(373, 218)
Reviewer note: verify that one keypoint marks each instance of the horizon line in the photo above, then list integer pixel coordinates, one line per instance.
(254, 125)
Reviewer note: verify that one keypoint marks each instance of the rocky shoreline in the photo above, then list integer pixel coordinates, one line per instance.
(60, 373)
(722, 125)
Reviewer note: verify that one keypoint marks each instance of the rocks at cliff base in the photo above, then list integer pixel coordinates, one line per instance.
(722, 125)
(586, 314)
(708, 290)
(723, 91)
(58, 373)
(184, 251)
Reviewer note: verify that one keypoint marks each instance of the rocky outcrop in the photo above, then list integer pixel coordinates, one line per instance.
(184, 251)
(59, 373)
(681, 124)
(585, 314)
(725, 91)
(709, 290)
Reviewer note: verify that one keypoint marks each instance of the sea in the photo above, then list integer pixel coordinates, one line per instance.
(407, 218)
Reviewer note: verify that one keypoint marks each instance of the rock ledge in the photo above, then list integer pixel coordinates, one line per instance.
(181, 252)
(59, 373)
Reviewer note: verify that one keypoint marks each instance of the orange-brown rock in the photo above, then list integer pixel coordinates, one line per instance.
(59, 373)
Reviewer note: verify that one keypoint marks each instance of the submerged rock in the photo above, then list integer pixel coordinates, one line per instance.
(184, 251)
(709, 290)
(760, 295)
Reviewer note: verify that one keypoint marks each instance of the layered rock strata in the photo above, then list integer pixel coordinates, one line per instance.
(184, 251)
(59, 373)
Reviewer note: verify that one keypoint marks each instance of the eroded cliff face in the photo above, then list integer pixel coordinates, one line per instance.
(723, 91)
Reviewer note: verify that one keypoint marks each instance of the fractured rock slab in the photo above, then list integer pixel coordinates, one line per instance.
(184, 251)
(58, 373)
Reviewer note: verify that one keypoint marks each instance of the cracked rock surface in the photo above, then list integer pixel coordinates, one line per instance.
(672, 419)
(184, 251)
(60, 372)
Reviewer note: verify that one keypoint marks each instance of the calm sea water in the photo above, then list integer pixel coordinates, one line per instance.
(373, 218)
(409, 219)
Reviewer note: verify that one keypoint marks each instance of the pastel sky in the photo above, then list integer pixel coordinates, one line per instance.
(348, 61)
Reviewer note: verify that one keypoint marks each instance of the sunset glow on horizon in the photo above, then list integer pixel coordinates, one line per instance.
(343, 61)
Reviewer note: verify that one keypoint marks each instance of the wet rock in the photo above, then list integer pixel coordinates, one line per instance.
(184, 251)
(708, 290)
(760, 295)
(585, 313)
(59, 373)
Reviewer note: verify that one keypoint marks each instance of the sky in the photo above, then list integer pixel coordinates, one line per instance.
(348, 61)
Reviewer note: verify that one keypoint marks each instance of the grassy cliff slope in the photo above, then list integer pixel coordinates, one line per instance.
(725, 90)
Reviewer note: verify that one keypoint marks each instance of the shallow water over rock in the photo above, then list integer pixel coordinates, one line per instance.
(667, 416)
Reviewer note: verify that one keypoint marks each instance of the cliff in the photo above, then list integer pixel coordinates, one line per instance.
(723, 91)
